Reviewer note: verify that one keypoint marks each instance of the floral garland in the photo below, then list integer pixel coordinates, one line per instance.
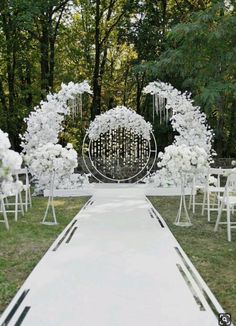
(119, 117)
(194, 135)
(43, 126)
(9, 162)
(44, 122)
(187, 119)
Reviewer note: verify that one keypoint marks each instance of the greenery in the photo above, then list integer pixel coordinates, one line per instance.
(118, 46)
(27, 240)
(210, 252)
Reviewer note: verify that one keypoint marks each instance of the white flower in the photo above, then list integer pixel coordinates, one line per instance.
(12, 160)
(119, 117)
(192, 131)
(43, 127)
(9, 162)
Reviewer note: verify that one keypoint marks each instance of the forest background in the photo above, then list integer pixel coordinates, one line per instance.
(119, 46)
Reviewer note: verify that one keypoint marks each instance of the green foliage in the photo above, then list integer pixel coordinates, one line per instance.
(201, 59)
(188, 43)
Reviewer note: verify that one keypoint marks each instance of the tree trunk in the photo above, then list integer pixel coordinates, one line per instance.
(140, 84)
(220, 128)
(52, 63)
(44, 60)
(232, 133)
(96, 74)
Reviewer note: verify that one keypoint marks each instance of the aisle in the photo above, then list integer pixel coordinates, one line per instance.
(116, 264)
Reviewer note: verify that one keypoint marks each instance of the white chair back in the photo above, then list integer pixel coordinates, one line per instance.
(230, 186)
(219, 173)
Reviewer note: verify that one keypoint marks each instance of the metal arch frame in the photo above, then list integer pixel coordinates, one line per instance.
(125, 179)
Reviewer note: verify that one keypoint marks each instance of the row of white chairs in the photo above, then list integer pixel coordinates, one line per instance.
(219, 194)
(21, 198)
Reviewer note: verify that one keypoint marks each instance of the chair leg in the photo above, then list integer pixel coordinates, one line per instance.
(228, 224)
(7, 204)
(4, 214)
(219, 216)
(30, 199)
(16, 207)
(204, 202)
(208, 207)
(26, 200)
(21, 204)
(194, 200)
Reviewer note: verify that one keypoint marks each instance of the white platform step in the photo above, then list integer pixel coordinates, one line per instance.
(147, 190)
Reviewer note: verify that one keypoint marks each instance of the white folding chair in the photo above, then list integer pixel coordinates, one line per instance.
(17, 203)
(23, 175)
(194, 189)
(214, 190)
(3, 211)
(228, 202)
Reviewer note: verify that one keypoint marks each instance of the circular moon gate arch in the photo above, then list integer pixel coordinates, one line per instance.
(119, 156)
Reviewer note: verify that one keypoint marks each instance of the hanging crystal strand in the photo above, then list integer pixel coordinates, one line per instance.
(167, 111)
(73, 109)
(105, 162)
(163, 108)
(157, 107)
(100, 149)
(103, 152)
(153, 106)
(160, 109)
(76, 106)
(123, 145)
(141, 142)
(110, 149)
(93, 153)
(80, 106)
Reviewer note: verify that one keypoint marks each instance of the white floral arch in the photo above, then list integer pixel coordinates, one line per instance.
(45, 123)
(118, 146)
(190, 123)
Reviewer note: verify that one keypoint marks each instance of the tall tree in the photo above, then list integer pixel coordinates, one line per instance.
(13, 76)
(201, 58)
(108, 15)
(47, 19)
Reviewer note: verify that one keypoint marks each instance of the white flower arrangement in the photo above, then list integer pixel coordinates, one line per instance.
(119, 117)
(53, 158)
(177, 161)
(183, 159)
(72, 181)
(9, 162)
(43, 127)
(194, 135)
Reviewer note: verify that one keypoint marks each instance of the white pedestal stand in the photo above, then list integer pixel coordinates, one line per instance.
(50, 203)
(182, 218)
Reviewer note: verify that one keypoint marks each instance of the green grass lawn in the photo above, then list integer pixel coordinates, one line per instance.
(27, 240)
(211, 253)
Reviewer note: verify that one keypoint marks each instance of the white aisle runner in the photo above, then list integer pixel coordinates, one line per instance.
(116, 264)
